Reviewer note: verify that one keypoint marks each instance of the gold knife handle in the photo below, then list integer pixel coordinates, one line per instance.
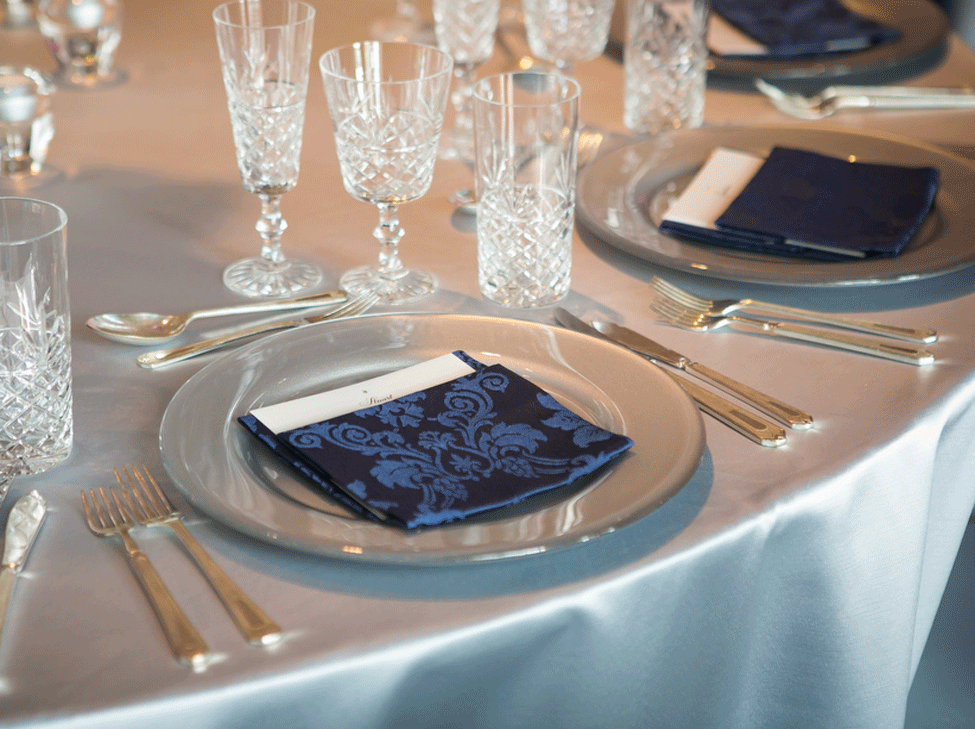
(852, 343)
(161, 357)
(790, 416)
(186, 643)
(7, 579)
(256, 626)
(911, 334)
(751, 426)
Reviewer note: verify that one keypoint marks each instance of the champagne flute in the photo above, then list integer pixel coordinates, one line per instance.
(465, 29)
(265, 52)
(387, 103)
(567, 32)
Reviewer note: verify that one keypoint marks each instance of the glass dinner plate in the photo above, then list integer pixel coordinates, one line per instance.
(225, 473)
(622, 196)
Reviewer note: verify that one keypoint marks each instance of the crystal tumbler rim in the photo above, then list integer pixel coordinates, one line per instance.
(224, 10)
(573, 89)
(446, 64)
(53, 230)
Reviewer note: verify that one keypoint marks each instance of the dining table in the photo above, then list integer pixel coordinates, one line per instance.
(773, 586)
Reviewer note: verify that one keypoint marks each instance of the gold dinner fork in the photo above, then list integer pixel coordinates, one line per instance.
(108, 518)
(150, 507)
(678, 315)
(662, 287)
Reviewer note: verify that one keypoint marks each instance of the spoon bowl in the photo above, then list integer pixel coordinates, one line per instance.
(149, 328)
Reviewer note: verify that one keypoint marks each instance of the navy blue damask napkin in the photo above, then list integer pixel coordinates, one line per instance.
(483, 441)
(795, 28)
(813, 204)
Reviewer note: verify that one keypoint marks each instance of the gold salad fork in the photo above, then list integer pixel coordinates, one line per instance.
(678, 315)
(161, 357)
(108, 518)
(150, 507)
(687, 300)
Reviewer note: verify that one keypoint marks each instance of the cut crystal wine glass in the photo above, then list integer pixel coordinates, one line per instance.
(387, 103)
(466, 30)
(567, 32)
(265, 53)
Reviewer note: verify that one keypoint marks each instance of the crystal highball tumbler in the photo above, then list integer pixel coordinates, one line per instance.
(526, 137)
(664, 61)
(35, 347)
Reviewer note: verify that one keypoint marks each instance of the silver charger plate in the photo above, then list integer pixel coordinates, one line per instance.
(226, 473)
(621, 197)
(924, 31)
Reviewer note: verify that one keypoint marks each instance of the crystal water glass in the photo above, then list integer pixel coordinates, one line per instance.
(466, 30)
(83, 36)
(26, 124)
(567, 32)
(664, 64)
(36, 427)
(265, 54)
(527, 128)
(387, 103)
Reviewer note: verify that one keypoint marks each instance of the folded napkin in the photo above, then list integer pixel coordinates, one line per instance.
(484, 440)
(795, 28)
(806, 204)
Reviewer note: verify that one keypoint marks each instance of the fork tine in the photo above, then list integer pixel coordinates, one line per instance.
(89, 514)
(137, 505)
(105, 516)
(159, 494)
(123, 515)
(670, 290)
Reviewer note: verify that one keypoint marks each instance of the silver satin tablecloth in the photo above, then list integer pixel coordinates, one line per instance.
(780, 587)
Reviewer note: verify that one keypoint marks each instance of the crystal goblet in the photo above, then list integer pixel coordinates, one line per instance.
(465, 29)
(567, 32)
(82, 35)
(265, 53)
(387, 103)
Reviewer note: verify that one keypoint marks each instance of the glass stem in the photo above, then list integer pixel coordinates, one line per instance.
(463, 100)
(407, 10)
(388, 233)
(271, 226)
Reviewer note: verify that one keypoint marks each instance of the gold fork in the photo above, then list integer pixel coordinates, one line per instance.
(662, 287)
(150, 507)
(113, 521)
(678, 315)
(161, 357)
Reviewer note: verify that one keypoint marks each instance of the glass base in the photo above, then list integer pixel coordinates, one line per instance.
(404, 288)
(32, 464)
(260, 277)
(73, 78)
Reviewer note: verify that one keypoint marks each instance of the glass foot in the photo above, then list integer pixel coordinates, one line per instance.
(260, 277)
(72, 78)
(406, 287)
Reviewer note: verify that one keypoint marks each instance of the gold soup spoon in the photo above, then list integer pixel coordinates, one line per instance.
(148, 328)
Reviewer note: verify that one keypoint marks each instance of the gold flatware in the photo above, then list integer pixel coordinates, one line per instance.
(162, 357)
(753, 427)
(108, 518)
(786, 414)
(147, 328)
(673, 313)
(718, 307)
(150, 507)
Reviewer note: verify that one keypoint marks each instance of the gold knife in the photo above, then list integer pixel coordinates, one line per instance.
(751, 426)
(787, 414)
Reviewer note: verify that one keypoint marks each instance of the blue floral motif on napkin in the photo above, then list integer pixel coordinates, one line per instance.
(480, 442)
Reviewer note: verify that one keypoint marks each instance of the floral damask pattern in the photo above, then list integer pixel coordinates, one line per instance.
(479, 442)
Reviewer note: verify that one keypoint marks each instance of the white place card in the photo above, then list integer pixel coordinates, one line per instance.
(324, 405)
(714, 187)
